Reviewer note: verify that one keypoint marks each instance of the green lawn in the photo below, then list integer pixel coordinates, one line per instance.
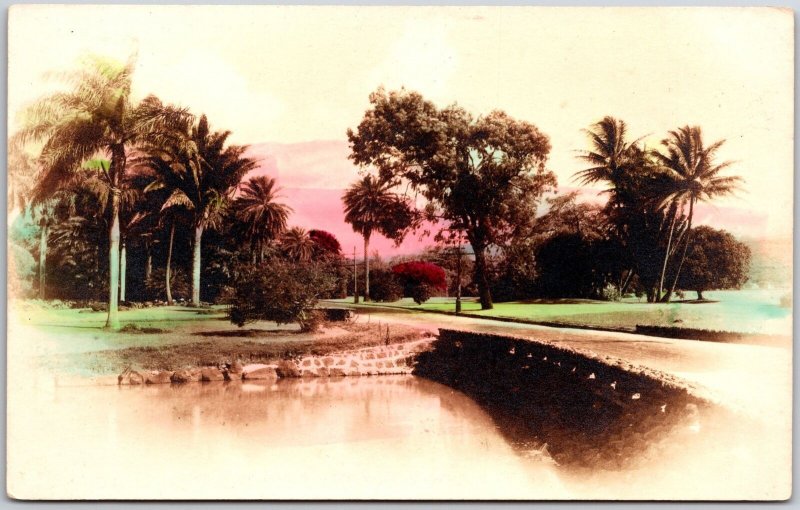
(746, 311)
(74, 341)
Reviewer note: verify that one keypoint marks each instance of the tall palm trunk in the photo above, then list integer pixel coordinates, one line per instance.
(43, 260)
(366, 267)
(198, 236)
(484, 292)
(148, 264)
(683, 254)
(666, 254)
(112, 322)
(169, 264)
(123, 266)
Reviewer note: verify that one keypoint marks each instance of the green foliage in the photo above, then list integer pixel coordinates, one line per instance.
(281, 291)
(384, 286)
(21, 270)
(421, 292)
(716, 260)
(482, 176)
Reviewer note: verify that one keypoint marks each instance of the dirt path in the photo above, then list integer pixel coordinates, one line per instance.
(753, 379)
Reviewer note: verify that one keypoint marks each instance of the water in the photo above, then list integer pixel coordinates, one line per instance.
(384, 437)
(391, 437)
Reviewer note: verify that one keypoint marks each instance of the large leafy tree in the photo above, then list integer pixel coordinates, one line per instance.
(483, 177)
(202, 174)
(694, 176)
(370, 206)
(96, 116)
(264, 217)
(715, 260)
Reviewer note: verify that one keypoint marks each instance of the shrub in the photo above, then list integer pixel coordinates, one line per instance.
(421, 292)
(281, 291)
(416, 272)
(383, 286)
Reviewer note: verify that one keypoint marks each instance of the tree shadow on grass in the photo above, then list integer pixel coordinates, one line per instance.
(248, 333)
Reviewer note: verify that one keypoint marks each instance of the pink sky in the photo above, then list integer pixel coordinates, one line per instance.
(313, 176)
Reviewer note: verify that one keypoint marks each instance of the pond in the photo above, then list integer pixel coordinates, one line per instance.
(381, 437)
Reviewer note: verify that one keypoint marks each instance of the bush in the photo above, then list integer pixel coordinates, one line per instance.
(383, 286)
(281, 291)
(181, 288)
(411, 273)
(421, 292)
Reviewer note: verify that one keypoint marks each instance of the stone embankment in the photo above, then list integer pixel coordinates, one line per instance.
(389, 359)
(586, 412)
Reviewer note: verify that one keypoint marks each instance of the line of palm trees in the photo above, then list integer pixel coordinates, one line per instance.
(665, 185)
(147, 165)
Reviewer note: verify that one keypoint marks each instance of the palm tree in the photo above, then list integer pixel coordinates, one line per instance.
(694, 178)
(44, 211)
(265, 218)
(96, 117)
(201, 174)
(297, 244)
(369, 207)
(612, 157)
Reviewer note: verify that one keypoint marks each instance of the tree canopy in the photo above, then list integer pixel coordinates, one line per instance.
(482, 176)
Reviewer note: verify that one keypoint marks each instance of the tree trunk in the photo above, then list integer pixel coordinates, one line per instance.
(480, 277)
(113, 263)
(683, 254)
(198, 236)
(123, 266)
(43, 261)
(699, 295)
(355, 277)
(366, 268)
(169, 264)
(458, 282)
(666, 255)
(148, 265)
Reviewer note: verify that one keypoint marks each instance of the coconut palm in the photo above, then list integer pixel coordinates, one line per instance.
(297, 245)
(97, 116)
(265, 219)
(613, 157)
(201, 174)
(370, 206)
(694, 176)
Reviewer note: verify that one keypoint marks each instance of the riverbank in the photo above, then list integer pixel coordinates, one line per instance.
(747, 312)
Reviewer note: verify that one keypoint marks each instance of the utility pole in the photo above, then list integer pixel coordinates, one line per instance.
(355, 277)
(458, 280)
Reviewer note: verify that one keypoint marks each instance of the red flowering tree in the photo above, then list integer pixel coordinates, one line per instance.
(418, 278)
(325, 241)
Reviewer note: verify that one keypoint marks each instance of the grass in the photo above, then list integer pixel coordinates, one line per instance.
(167, 338)
(736, 311)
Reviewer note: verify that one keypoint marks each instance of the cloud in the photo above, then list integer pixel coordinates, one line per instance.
(208, 84)
(422, 59)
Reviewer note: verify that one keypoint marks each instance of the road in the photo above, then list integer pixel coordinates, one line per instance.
(756, 380)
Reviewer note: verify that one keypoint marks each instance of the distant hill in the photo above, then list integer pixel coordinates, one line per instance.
(771, 263)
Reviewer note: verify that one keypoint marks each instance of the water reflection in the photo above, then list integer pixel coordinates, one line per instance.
(385, 437)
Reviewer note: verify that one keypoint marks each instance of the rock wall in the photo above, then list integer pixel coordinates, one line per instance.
(584, 412)
(389, 359)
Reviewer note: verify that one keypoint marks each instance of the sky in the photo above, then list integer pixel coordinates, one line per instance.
(291, 80)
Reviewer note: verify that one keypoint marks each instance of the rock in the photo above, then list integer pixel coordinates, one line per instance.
(209, 374)
(322, 372)
(327, 361)
(286, 368)
(131, 377)
(336, 372)
(259, 371)
(236, 367)
(158, 377)
(231, 376)
(184, 376)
